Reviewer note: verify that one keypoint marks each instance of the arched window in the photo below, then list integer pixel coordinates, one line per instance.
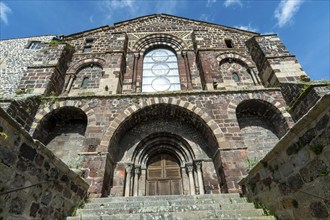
(235, 77)
(85, 82)
(160, 71)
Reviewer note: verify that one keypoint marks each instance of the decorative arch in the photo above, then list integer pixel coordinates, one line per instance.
(236, 57)
(175, 145)
(73, 69)
(267, 100)
(109, 136)
(62, 131)
(161, 125)
(42, 112)
(264, 110)
(159, 39)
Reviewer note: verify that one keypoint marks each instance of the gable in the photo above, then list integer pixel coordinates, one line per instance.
(157, 22)
(173, 31)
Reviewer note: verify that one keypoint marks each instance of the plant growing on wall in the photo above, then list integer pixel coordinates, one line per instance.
(251, 163)
(3, 135)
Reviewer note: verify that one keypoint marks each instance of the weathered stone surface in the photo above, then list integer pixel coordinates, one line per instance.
(27, 152)
(93, 117)
(318, 210)
(34, 209)
(301, 187)
(7, 156)
(37, 170)
(17, 206)
(313, 170)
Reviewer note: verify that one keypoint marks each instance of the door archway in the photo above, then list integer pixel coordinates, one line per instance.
(163, 175)
(162, 128)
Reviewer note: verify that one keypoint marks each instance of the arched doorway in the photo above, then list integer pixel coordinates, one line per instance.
(163, 175)
(173, 132)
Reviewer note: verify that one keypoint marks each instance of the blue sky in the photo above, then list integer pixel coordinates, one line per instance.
(302, 25)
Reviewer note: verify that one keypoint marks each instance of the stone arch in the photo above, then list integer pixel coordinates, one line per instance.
(62, 130)
(261, 124)
(159, 39)
(66, 103)
(237, 70)
(237, 57)
(146, 148)
(73, 69)
(269, 101)
(127, 113)
(165, 118)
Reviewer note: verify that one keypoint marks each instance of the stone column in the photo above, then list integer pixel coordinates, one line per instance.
(136, 180)
(200, 177)
(190, 169)
(143, 182)
(136, 57)
(188, 74)
(68, 87)
(128, 179)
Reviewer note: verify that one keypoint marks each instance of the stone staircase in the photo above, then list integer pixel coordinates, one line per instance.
(223, 206)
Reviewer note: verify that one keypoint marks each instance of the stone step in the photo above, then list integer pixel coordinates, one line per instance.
(169, 217)
(129, 209)
(223, 206)
(217, 197)
(191, 215)
(161, 202)
(245, 218)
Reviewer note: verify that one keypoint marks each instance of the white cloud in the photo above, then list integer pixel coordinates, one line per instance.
(228, 3)
(210, 2)
(119, 4)
(286, 10)
(204, 17)
(4, 10)
(247, 28)
(115, 8)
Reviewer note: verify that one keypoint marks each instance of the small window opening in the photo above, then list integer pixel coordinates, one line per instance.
(87, 49)
(84, 83)
(89, 40)
(235, 77)
(229, 43)
(35, 45)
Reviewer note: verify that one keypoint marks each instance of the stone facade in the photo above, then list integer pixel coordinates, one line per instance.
(34, 184)
(81, 97)
(293, 179)
(15, 58)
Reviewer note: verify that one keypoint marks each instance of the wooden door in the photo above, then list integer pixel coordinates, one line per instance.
(164, 176)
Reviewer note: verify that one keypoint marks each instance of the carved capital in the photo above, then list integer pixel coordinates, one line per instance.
(129, 168)
(189, 167)
(198, 164)
(137, 170)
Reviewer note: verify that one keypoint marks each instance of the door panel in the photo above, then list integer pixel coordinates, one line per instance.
(164, 187)
(176, 187)
(152, 188)
(164, 176)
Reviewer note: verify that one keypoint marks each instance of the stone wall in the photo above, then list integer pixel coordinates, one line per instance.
(109, 115)
(275, 63)
(34, 184)
(46, 74)
(300, 97)
(292, 180)
(23, 109)
(123, 46)
(15, 57)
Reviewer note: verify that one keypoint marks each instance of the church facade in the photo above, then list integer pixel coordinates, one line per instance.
(157, 105)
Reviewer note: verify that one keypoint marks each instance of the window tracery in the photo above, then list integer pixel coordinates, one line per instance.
(160, 71)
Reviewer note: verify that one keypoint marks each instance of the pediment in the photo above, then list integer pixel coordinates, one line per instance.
(165, 22)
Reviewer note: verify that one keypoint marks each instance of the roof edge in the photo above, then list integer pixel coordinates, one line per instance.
(189, 19)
